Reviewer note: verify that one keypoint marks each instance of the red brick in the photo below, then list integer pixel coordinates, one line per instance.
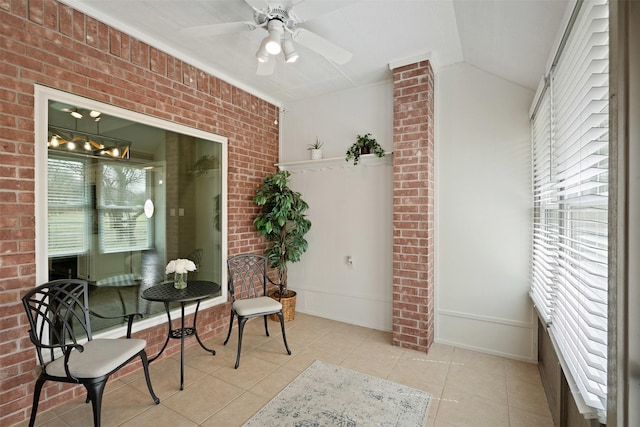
(88, 58)
(413, 249)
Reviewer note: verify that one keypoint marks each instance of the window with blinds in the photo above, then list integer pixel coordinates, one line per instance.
(69, 207)
(122, 192)
(570, 140)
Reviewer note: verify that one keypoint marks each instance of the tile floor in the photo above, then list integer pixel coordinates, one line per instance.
(469, 388)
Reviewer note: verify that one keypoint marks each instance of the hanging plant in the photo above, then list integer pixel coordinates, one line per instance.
(365, 144)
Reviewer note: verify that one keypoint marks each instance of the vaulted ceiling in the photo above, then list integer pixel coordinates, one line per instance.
(509, 38)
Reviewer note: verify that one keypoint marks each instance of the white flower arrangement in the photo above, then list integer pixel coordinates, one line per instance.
(180, 266)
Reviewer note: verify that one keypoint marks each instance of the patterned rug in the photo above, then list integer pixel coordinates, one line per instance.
(329, 395)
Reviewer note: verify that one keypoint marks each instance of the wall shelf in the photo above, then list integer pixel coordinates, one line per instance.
(366, 160)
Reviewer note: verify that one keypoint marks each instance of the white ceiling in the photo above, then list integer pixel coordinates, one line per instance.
(509, 38)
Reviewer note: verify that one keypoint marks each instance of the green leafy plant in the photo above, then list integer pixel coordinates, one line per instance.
(283, 222)
(364, 144)
(203, 165)
(316, 145)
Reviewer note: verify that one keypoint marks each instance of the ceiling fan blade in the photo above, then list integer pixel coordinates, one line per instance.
(322, 46)
(215, 29)
(266, 68)
(303, 11)
(257, 5)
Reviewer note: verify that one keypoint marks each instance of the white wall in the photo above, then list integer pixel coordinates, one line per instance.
(483, 213)
(482, 210)
(350, 207)
(337, 119)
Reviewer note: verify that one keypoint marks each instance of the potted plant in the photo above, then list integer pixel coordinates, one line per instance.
(365, 144)
(316, 149)
(283, 222)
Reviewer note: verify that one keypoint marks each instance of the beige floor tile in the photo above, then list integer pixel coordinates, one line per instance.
(48, 418)
(118, 406)
(159, 416)
(471, 380)
(273, 383)
(237, 412)
(485, 362)
(203, 398)
(54, 422)
(523, 371)
(462, 409)
(303, 359)
(521, 418)
(420, 373)
(165, 377)
(527, 396)
(440, 352)
(68, 406)
(273, 351)
(337, 344)
(373, 358)
(251, 370)
(300, 337)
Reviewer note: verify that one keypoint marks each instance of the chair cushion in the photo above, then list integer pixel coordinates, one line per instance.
(254, 306)
(99, 358)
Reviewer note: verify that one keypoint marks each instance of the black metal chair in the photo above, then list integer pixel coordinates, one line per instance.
(248, 288)
(59, 318)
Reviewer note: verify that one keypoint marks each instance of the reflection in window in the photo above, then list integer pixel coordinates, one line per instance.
(68, 207)
(116, 220)
(122, 191)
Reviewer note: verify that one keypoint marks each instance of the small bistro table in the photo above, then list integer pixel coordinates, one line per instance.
(196, 290)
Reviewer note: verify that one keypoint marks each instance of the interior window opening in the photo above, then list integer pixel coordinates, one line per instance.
(123, 199)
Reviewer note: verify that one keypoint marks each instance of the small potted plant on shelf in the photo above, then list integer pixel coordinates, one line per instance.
(283, 222)
(316, 149)
(365, 144)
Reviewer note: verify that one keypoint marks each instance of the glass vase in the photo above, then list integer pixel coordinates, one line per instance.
(180, 280)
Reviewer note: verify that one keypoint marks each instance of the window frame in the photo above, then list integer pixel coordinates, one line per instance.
(42, 96)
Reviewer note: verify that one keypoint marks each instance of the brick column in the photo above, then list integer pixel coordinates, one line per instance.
(413, 199)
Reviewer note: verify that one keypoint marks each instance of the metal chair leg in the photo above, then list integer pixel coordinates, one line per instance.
(241, 322)
(145, 366)
(96, 391)
(284, 336)
(230, 327)
(266, 328)
(36, 400)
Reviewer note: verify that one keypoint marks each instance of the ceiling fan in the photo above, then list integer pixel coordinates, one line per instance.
(281, 23)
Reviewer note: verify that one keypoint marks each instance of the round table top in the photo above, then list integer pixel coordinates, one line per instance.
(195, 290)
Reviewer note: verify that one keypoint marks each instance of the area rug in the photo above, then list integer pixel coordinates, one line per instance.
(329, 395)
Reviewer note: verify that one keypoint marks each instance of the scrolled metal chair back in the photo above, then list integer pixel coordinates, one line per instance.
(247, 276)
(58, 315)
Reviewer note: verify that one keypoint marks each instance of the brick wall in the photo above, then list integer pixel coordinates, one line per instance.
(413, 202)
(45, 42)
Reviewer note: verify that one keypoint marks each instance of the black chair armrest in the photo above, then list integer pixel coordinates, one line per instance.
(66, 350)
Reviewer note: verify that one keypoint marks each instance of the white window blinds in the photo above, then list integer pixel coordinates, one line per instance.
(570, 131)
(122, 192)
(68, 206)
(545, 208)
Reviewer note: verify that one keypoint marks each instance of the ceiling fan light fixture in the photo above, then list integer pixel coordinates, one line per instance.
(262, 54)
(290, 54)
(274, 39)
(76, 114)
